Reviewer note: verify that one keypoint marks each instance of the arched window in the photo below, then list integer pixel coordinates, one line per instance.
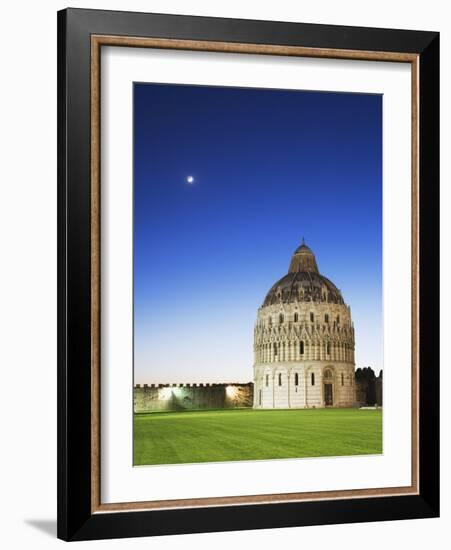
(312, 377)
(296, 317)
(281, 318)
(301, 347)
(267, 380)
(280, 379)
(328, 348)
(338, 319)
(326, 318)
(269, 321)
(312, 317)
(342, 379)
(275, 348)
(296, 379)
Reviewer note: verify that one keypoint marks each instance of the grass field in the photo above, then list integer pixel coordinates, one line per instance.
(248, 434)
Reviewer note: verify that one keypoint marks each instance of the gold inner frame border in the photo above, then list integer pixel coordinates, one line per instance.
(97, 41)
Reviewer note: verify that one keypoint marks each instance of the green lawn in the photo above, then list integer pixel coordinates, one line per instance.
(247, 434)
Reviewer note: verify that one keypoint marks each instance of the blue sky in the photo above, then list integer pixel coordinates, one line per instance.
(269, 167)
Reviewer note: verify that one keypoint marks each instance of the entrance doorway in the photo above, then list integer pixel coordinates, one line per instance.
(328, 395)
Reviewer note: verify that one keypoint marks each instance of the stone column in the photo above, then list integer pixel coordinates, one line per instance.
(273, 388)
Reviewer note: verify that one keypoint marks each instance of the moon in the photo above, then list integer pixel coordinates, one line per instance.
(189, 179)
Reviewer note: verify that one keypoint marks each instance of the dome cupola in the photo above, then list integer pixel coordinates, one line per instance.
(303, 260)
(303, 282)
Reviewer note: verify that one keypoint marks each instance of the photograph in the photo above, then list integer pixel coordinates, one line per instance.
(248, 272)
(257, 274)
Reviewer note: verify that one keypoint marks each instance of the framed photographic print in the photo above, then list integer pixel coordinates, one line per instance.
(248, 274)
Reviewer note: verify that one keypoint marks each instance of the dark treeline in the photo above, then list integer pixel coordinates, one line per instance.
(369, 386)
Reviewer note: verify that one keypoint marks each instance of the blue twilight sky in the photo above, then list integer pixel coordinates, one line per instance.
(269, 167)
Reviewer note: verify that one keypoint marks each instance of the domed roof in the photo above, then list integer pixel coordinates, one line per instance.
(303, 282)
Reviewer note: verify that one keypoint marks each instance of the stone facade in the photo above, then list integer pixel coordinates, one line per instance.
(179, 397)
(304, 342)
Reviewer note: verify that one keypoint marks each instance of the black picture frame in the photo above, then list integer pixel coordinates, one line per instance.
(76, 521)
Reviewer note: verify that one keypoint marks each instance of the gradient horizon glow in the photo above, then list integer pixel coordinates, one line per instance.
(227, 181)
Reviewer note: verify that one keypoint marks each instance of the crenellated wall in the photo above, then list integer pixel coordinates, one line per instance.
(178, 397)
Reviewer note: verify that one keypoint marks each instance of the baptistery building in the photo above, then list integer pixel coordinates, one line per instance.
(304, 341)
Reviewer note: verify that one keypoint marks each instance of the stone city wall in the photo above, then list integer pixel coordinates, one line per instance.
(178, 397)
